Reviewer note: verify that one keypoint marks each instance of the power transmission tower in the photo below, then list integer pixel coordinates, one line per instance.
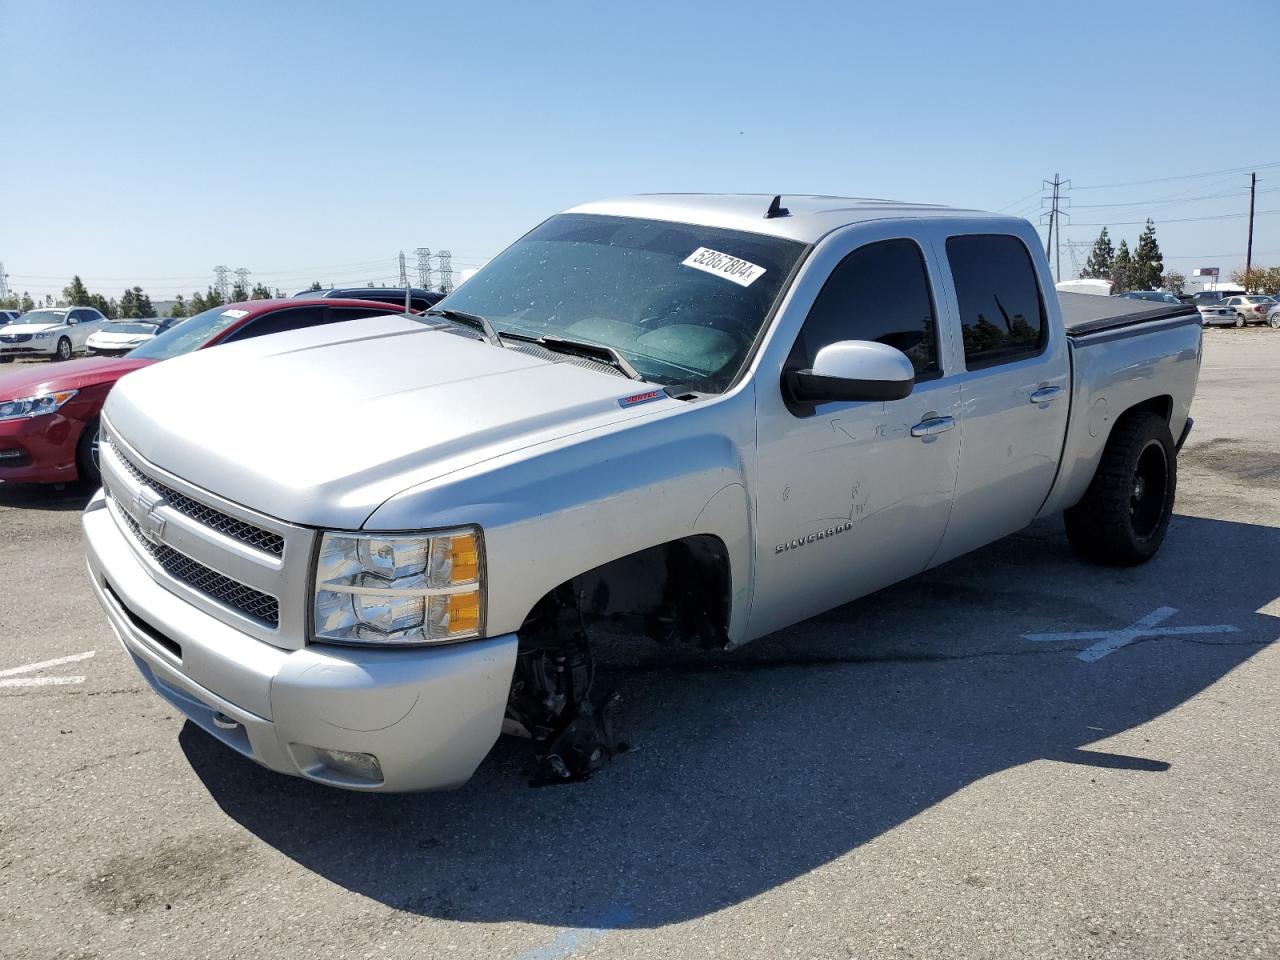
(424, 267)
(1053, 242)
(220, 282)
(404, 273)
(1074, 247)
(1248, 256)
(446, 271)
(242, 279)
(4, 283)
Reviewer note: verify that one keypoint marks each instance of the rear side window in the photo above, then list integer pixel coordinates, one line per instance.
(1001, 312)
(282, 321)
(879, 292)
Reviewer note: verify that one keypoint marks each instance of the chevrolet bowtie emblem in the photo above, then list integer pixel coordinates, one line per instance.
(150, 523)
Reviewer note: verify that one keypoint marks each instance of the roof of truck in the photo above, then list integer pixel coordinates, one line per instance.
(808, 218)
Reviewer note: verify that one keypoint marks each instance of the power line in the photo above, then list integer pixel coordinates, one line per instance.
(1139, 223)
(1185, 176)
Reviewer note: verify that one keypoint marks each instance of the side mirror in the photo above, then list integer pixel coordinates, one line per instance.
(853, 370)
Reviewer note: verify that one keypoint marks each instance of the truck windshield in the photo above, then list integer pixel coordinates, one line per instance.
(189, 335)
(682, 303)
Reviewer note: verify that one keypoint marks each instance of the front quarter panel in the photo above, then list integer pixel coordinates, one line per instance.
(555, 511)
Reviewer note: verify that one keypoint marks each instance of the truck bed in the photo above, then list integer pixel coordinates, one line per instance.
(1084, 313)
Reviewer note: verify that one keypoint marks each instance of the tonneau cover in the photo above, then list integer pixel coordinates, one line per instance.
(1084, 313)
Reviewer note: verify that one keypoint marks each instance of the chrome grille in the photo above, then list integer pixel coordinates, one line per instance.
(232, 593)
(246, 533)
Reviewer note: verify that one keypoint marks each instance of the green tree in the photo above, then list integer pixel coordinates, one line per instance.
(75, 293)
(198, 304)
(1271, 281)
(1148, 262)
(1174, 281)
(1122, 269)
(179, 308)
(315, 285)
(1098, 266)
(213, 298)
(238, 293)
(107, 307)
(27, 302)
(136, 305)
(259, 292)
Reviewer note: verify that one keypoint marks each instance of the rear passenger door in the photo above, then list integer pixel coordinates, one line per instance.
(82, 323)
(1014, 389)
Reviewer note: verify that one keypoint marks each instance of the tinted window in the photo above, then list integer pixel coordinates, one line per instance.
(281, 321)
(1001, 313)
(881, 293)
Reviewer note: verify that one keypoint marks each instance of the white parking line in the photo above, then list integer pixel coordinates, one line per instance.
(1109, 641)
(46, 664)
(12, 675)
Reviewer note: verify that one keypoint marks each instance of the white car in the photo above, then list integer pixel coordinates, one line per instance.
(54, 332)
(117, 339)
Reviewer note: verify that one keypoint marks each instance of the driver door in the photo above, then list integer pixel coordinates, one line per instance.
(848, 499)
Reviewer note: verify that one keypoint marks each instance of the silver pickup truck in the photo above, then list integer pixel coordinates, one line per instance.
(357, 553)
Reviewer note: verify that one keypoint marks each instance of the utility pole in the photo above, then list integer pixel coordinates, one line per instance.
(424, 267)
(1248, 257)
(404, 273)
(1053, 242)
(220, 282)
(446, 271)
(4, 283)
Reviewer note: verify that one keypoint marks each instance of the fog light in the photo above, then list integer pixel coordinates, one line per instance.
(359, 766)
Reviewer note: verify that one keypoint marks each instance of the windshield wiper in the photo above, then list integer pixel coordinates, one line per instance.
(472, 320)
(593, 351)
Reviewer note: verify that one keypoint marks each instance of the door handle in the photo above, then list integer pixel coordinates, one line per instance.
(933, 426)
(1045, 394)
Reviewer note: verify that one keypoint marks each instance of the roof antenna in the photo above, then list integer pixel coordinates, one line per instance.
(776, 209)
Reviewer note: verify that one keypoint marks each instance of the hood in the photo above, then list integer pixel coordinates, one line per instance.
(321, 426)
(29, 328)
(30, 380)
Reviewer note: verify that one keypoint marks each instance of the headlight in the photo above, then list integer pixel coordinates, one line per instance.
(42, 335)
(399, 588)
(35, 406)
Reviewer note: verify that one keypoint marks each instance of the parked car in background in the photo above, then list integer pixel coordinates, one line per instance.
(1214, 314)
(420, 298)
(1213, 296)
(49, 421)
(1155, 296)
(1273, 317)
(1250, 308)
(53, 332)
(8, 316)
(119, 337)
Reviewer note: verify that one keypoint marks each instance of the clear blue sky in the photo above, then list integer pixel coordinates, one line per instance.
(148, 141)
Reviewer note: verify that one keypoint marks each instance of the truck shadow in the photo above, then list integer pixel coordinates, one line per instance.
(47, 496)
(756, 767)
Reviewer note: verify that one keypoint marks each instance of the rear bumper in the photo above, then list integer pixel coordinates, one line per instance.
(429, 715)
(39, 449)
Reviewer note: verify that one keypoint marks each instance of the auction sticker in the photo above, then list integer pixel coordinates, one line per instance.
(742, 272)
(235, 313)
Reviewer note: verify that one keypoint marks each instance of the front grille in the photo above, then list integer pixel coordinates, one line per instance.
(232, 593)
(229, 526)
(16, 337)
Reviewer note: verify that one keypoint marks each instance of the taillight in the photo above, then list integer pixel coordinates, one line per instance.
(1259, 309)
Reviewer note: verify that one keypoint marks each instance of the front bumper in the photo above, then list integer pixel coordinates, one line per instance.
(429, 715)
(32, 348)
(39, 449)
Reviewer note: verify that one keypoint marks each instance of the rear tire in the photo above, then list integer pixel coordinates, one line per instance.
(1124, 515)
(1274, 321)
(87, 454)
(1239, 321)
(64, 350)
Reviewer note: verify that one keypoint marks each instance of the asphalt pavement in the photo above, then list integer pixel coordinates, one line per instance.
(1015, 755)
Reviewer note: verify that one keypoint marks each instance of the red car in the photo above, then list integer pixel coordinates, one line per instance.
(49, 415)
